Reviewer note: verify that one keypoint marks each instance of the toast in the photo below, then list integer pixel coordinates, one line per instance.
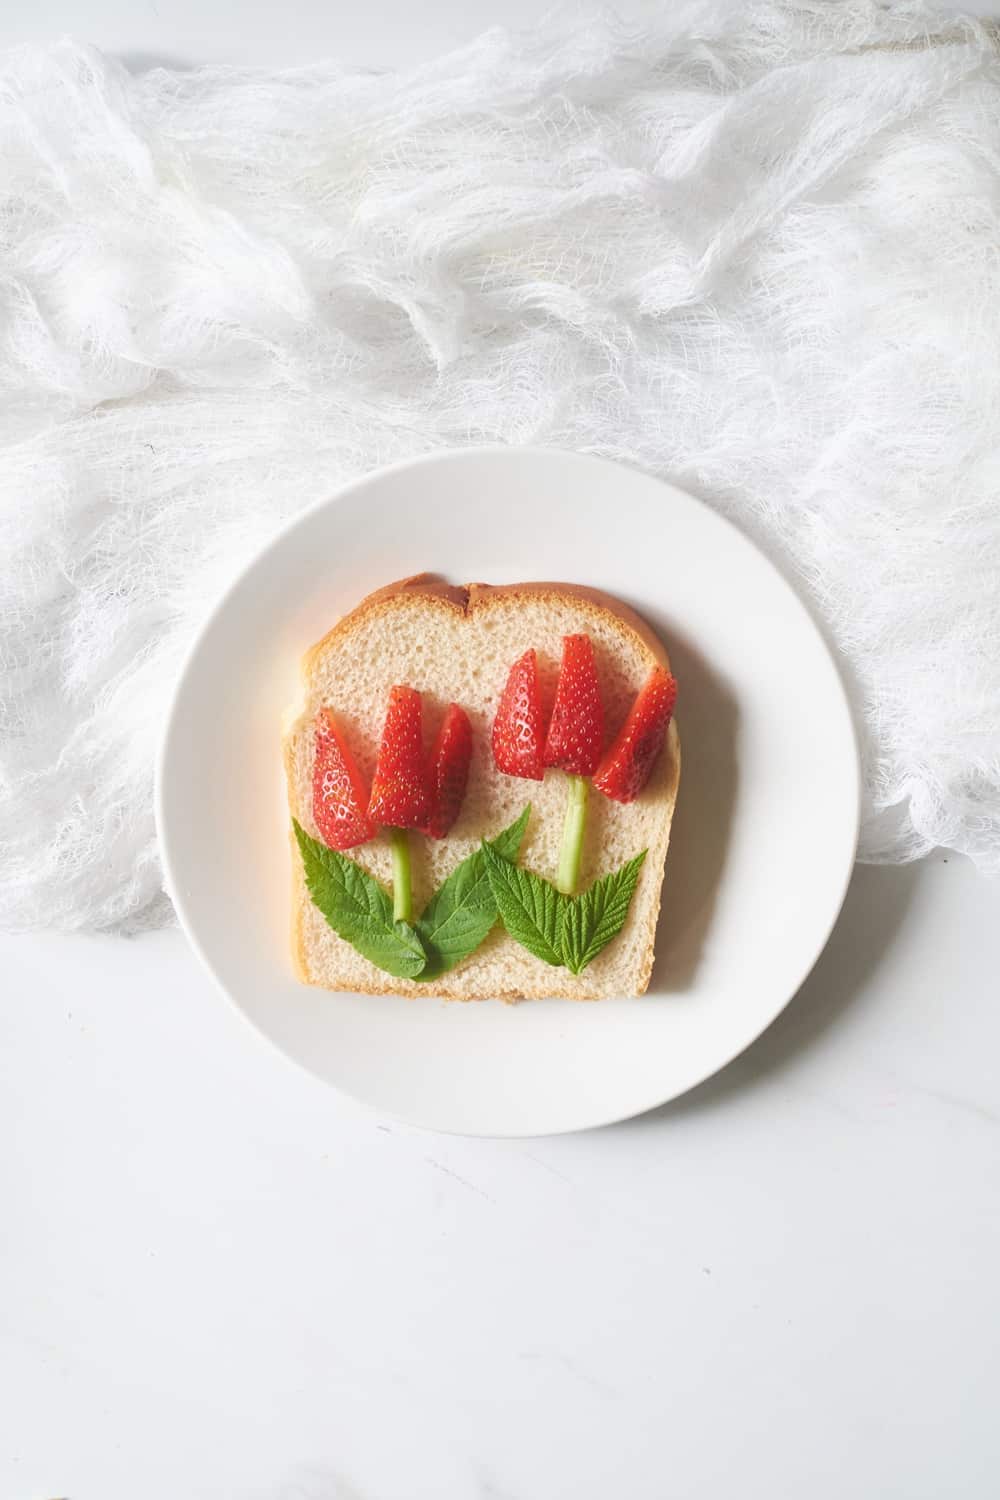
(456, 644)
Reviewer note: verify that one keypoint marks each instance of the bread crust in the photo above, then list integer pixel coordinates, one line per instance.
(482, 595)
(475, 596)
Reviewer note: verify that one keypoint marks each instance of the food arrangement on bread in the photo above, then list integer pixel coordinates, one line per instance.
(441, 770)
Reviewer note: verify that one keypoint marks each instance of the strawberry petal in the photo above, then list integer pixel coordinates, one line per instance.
(340, 797)
(449, 770)
(576, 730)
(626, 768)
(401, 794)
(518, 733)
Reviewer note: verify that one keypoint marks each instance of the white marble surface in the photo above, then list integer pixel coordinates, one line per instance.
(219, 1281)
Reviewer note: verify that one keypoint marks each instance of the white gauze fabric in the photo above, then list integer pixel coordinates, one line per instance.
(754, 252)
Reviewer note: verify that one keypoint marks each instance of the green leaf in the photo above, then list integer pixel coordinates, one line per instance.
(598, 914)
(508, 843)
(359, 910)
(462, 910)
(531, 908)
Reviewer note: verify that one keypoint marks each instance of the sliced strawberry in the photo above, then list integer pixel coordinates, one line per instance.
(449, 770)
(518, 733)
(625, 769)
(401, 793)
(340, 797)
(576, 731)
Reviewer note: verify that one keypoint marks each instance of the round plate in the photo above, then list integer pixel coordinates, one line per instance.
(764, 836)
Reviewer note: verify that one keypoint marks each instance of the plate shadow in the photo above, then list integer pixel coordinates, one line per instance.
(874, 912)
(708, 721)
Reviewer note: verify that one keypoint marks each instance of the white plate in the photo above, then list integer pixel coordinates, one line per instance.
(764, 836)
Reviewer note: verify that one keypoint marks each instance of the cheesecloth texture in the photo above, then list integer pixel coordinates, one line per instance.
(754, 251)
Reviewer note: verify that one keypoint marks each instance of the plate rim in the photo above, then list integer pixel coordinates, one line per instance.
(302, 519)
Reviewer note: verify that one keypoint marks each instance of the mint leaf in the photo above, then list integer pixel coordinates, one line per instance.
(508, 843)
(593, 918)
(531, 908)
(359, 910)
(462, 910)
(558, 929)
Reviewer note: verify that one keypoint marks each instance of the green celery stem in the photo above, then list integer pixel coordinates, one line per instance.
(402, 886)
(571, 852)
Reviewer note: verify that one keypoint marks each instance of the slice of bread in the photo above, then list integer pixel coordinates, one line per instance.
(458, 644)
